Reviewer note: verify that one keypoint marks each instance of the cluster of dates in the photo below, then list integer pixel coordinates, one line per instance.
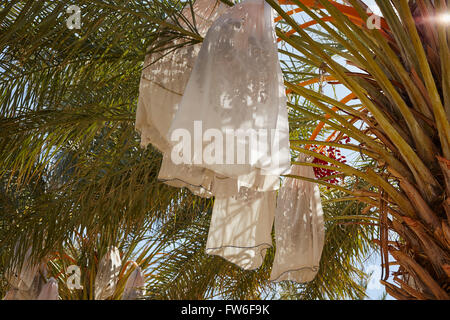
(333, 153)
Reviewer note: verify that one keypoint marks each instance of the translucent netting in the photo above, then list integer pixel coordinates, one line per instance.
(162, 85)
(240, 229)
(299, 227)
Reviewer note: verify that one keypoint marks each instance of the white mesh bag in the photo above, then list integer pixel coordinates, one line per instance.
(241, 225)
(107, 275)
(299, 227)
(22, 278)
(236, 90)
(49, 290)
(135, 286)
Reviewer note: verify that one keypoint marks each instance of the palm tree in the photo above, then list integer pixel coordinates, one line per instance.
(75, 182)
(397, 68)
